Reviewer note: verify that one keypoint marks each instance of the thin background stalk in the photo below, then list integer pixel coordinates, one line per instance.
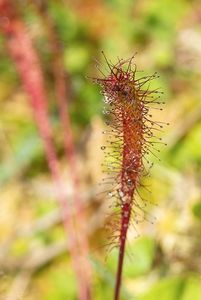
(27, 63)
(62, 101)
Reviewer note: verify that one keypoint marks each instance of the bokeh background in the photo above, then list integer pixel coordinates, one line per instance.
(163, 258)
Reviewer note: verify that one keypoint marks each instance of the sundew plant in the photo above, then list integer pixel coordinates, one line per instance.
(132, 136)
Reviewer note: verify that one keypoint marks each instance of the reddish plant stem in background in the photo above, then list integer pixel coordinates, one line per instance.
(26, 61)
(61, 97)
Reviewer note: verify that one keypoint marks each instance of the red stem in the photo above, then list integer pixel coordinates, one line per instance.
(126, 200)
(61, 97)
(123, 235)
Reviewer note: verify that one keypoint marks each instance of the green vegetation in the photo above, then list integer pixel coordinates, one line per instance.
(164, 261)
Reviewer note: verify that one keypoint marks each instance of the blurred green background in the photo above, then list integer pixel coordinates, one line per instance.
(164, 261)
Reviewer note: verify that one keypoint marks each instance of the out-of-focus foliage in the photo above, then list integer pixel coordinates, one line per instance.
(165, 261)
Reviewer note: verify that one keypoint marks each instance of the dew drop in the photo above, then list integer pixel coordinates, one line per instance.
(103, 147)
(129, 182)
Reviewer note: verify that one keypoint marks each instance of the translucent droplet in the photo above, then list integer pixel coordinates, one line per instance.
(129, 182)
(103, 147)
